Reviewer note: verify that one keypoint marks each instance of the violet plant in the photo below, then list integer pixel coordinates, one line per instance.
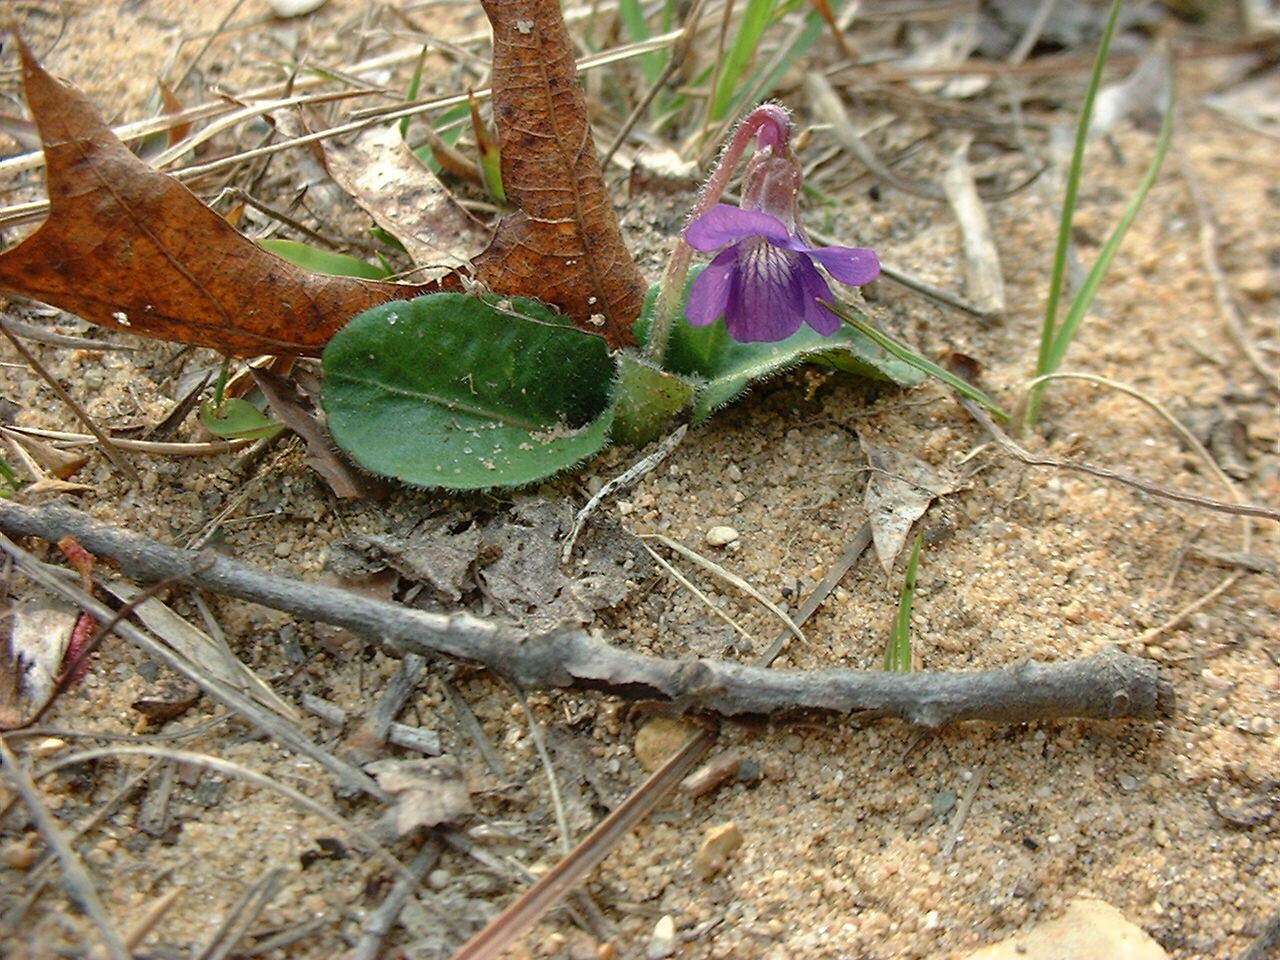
(466, 391)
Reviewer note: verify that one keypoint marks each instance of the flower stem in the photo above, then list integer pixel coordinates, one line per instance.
(768, 120)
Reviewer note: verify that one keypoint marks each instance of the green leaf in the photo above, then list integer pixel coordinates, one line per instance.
(236, 419)
(322, 261)
(455, 391)
(897, 652)
(648, 399)
(757, 15)
(859, 322)
(725, 367)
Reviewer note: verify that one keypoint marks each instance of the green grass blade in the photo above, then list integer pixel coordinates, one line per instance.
(1084, 298)
(10, 483)
(636, 27)
(897, 652)
(415, 83)
(1072, 194)
(757, 16)
(766, 79)
(849, 315)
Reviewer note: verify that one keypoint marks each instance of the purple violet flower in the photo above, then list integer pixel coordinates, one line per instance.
(764, 280)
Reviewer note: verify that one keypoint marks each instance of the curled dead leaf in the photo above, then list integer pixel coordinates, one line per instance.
(128, 247)
(564, 245)
(382, 175)
(428, 792)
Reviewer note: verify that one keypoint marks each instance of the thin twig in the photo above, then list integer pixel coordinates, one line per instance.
(856, 547)
(553, 783)
(1227, 306)
(108, 445)
(384, 918)
(79, 883)
(266, 720)
(490, 942)
(674, 572)
(728, 576)
(240, 916)
(632, 475)
(1108, 684)
(1007, 444)
(159, 448)
(962, 813)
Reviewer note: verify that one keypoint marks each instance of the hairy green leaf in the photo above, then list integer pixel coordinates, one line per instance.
(725, 367)
(648, 399)
(455, 391)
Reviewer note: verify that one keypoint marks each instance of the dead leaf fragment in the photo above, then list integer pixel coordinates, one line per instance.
(32, 658)
(522, 575)
(167, 700)
(564, 246)
(288, 408)
(428, 792)
(431, 555)
(899, 490)
(382, 175)
(128, 247)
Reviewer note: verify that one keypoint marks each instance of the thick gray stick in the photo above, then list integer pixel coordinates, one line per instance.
(1107, 685)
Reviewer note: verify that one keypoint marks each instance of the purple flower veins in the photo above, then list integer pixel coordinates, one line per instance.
(764, 281)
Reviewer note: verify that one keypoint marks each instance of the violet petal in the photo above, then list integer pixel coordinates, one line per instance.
(853, 266)
(724, 224)
(766, 302)
(709, 294)
(815, 289)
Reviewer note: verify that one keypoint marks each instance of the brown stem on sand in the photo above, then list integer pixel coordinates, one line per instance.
(1107, 685)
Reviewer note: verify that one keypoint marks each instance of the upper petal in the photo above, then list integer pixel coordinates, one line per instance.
(710, 291)
(850, 265)
(724, 224)
(766, 301)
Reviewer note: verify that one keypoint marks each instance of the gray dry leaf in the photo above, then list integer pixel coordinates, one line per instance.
(382, 175)
(984, 282)
(434, 556)
(899, 490)
(525, 579)
(38, 634)
(513, 559)
(428, 792)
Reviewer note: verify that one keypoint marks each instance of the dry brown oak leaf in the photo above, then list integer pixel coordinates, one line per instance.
(563, 246)
(126, 246)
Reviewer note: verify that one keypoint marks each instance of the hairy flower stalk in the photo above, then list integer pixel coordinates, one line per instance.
(771, 124)
(764, 279)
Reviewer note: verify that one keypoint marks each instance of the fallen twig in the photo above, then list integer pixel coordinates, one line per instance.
(384, 918)
(586, 856)
(79, 883)
(633, 474)
(1009, 445)
(1107, 685)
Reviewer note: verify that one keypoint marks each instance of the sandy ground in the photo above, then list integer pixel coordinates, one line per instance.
(845, 830)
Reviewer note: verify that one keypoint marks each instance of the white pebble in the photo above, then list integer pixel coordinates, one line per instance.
(294, 8)
(721, 536)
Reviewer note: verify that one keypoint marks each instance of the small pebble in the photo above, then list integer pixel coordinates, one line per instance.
(721, 536)
(658, 739)
(294, 8)
(46, 747)
(662, 942)
(439, 879)
(20, 854)
(717, 844)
